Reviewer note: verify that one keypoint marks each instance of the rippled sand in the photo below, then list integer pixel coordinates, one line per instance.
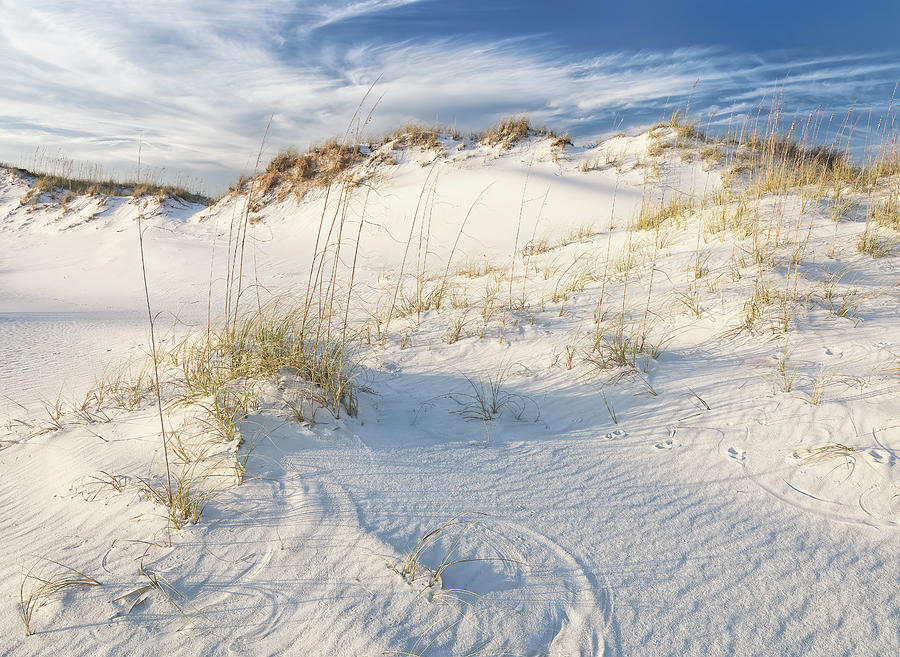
(47, 355)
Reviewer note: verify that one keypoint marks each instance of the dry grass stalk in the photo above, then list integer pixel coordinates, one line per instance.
(38, 589)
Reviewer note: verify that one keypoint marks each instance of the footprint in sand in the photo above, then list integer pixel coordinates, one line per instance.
(882, 457)
(738, 455)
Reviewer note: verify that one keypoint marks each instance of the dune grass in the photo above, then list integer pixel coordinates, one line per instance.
(38, 587)
(412, 568)
(261, 345)
(62, 182)
(489, 398)
(293, 172)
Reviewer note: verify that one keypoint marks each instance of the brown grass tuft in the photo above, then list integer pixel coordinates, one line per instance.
(290, 171)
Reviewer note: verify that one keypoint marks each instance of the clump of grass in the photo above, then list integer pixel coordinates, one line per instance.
(589, 164)
(785, 147)
(874, 243)
(841, 304)
(67, 187)
(777, 162)
(820, 383)
(54, 417)
(489, 399)
(712, 156)
(217, 373)
(623, 345)
(191, 490)
(416, 135)
(655, 147)
(412, 567)
(830, 451)
(755, 307)
(507, 132)
(537, 247)
(887, 213)
(235, 401)
(577, 233)
(38, 588)
(561, 141)
(185, 495)
(454, 332)
(568, 283)
(685, 128)
(653, 216)
(127, 389)
(191, 494)
(155, 582)
(475, 268)
(511, 130)
(631, 256)
(263, 344)
(489, 306)
(690, 299)
(785, 372)
(291, 171)
(92, 485)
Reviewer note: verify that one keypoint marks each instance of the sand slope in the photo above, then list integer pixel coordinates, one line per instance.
(702, 504)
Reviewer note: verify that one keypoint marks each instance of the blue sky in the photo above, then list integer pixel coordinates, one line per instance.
(198, 80)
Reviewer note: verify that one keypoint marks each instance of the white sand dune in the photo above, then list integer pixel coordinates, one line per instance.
(702, 504)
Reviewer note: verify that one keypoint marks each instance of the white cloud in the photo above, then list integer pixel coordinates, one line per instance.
(337, 12)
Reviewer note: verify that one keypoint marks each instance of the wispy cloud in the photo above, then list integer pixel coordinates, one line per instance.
(199, 80)
(328, 14)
